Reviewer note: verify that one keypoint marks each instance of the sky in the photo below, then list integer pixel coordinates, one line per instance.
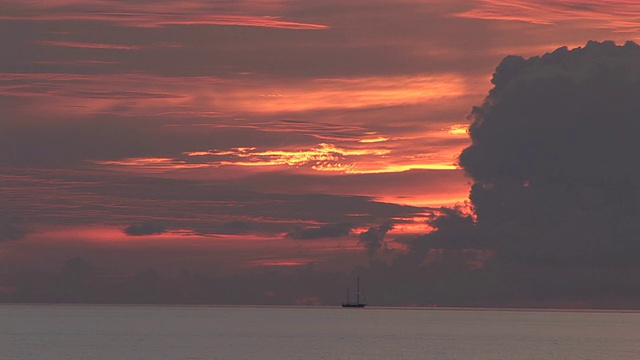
(227, 137)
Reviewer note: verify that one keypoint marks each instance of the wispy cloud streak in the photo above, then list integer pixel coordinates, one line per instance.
(82, 45)
(152, 14)
(157, 95)
(616, 15)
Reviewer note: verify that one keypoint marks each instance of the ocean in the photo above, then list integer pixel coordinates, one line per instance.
(78, 332)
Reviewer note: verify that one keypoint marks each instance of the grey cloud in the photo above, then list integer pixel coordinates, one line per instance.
(373, 239)
(238, 227)
(324, 231)
(454, 232)
(145, 228)
(64, 143)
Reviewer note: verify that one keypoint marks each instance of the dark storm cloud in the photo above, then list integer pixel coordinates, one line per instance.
(554, 157)
(324, 231)
(373, 239)
(454, 229)
(556, 189)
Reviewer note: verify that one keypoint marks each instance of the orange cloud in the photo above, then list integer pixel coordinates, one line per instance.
(616, 15)
(361, 92)
(429, 148)
(323, 158)
(151, 95)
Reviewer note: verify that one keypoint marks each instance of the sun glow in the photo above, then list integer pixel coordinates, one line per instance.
(458, 129)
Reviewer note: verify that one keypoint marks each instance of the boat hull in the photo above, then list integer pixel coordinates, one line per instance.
(352, 305)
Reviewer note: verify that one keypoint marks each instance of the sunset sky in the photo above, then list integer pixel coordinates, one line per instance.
(225, 136)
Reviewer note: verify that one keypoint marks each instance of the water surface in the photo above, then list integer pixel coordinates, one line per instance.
(283, 333)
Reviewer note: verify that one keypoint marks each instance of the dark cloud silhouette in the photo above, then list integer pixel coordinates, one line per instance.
(324, 231)
(555, 193)
(145, 228)
(373, 239)
(553, 157)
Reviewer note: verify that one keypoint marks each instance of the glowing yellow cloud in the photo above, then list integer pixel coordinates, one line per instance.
(458, 129)
(328, 158)
(324, 157)
(375, 140)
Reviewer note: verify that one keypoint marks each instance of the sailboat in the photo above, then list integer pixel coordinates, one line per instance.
(357, 303)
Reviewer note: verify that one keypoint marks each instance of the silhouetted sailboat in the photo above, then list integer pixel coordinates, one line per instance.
(357, 303)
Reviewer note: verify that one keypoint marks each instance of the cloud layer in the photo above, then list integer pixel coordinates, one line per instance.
(276, 132)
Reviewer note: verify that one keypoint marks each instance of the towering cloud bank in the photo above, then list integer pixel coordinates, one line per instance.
(554, 158)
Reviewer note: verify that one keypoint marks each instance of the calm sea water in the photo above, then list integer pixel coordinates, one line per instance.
(282, 333)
